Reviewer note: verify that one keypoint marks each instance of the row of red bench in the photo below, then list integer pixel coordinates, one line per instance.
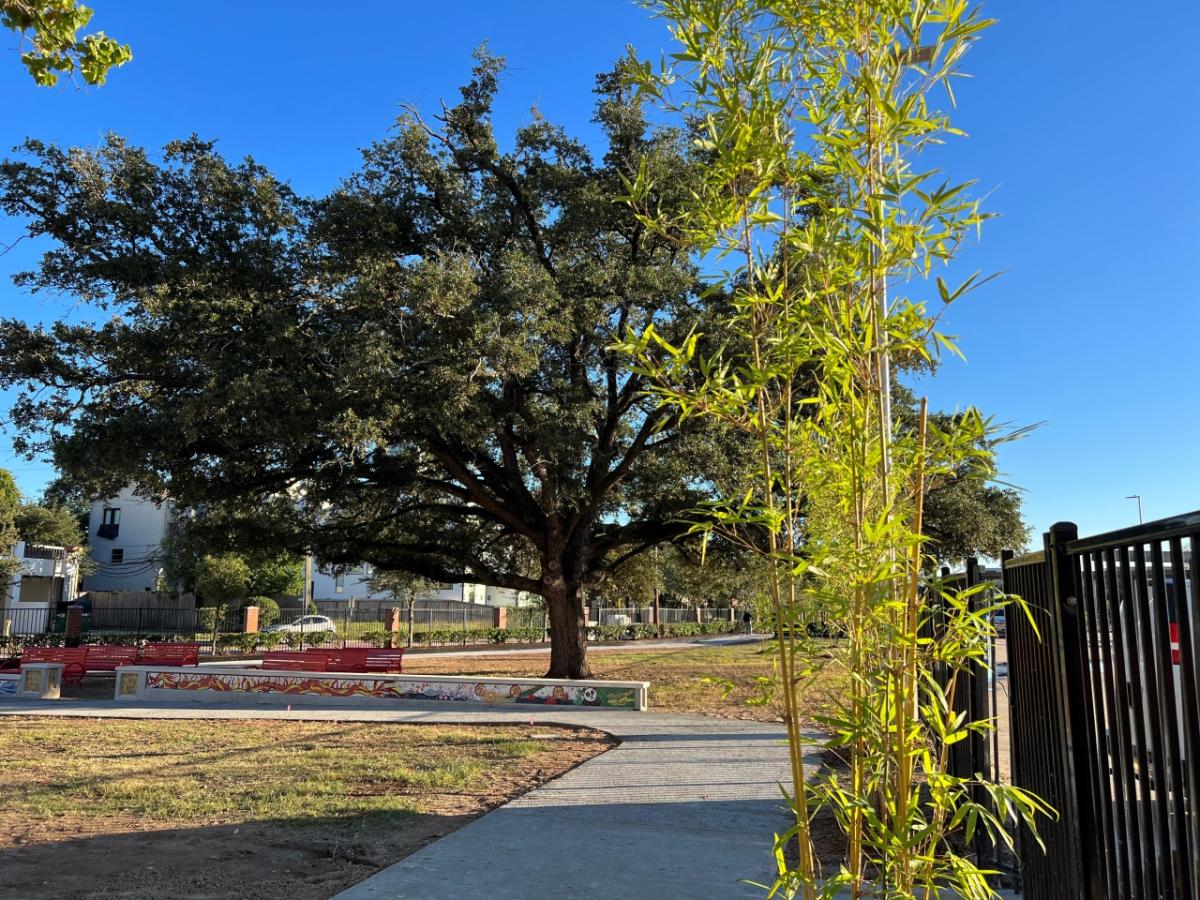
(78, 661)
(362, 659)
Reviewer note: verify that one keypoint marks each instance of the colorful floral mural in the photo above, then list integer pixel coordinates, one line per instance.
(397, 689)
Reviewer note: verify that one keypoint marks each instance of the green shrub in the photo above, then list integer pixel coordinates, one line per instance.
(269, 640)
(268, 610)
(293, 639)
(681, 629)
(376, 636)
(206, 618)
(231, 641)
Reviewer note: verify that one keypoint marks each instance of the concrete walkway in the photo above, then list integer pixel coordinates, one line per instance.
(684, 807)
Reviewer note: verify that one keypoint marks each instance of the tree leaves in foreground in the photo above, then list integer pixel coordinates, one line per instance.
(50, 30)
(815, 117)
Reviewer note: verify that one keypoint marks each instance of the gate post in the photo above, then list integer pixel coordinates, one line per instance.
(1072, 642)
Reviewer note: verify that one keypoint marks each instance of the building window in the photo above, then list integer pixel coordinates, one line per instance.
(339, 583)
(118, 555)
(445, 586)
(110, 523)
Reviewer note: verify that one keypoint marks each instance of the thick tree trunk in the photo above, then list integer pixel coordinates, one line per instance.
(568, 630)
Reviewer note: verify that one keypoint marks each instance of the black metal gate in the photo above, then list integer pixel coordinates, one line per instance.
(1105, 712)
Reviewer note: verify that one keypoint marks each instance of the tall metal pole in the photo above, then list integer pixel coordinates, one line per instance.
(308, 582)
(1138, 498)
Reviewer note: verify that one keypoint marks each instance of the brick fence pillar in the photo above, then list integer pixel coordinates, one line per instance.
(499, 617)
(74, 626)
(250, 620)
(393, 626)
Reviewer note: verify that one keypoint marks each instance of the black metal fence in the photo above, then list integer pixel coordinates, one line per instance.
(1106, 710)
(434, 623)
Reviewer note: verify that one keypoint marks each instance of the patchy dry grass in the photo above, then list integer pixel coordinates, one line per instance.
(177, 770)
(272, 810)
(733, 681)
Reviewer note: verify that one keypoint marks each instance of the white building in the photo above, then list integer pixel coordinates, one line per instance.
(47, 576)
(355, 584)
(125, 535)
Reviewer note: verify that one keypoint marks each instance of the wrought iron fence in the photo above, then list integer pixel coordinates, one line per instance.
(645, 615)
(1105, 710)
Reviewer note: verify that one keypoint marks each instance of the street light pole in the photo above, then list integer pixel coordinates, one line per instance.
(1138, 498)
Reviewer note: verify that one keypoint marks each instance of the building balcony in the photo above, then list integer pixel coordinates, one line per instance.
(41, 568)
(109, 530)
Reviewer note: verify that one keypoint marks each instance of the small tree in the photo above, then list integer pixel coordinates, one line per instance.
(10, 502)
(401, 586)
(219, 581)
(55, 526)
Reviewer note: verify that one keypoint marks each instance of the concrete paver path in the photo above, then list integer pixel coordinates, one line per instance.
(684, 807)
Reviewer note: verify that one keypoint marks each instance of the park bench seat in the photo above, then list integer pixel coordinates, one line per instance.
(106, 658)
(297, 660)
(385, 659)
(166, 653)
(73, 659)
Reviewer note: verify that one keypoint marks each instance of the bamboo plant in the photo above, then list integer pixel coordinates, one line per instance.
(810, 117)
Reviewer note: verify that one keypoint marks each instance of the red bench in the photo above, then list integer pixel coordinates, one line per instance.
(348, 660)
(73, 659)
(385, 659)
(166, 653)
(106, 658)
(297, 660)
(359, 659)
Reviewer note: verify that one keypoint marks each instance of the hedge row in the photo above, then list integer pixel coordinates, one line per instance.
(377, 636)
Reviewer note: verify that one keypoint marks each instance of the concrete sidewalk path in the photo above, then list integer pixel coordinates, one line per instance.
(684, 807)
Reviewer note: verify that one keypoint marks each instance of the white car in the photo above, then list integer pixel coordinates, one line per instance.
(304, 624)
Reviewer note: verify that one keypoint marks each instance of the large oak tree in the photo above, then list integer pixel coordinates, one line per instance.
(413, 371)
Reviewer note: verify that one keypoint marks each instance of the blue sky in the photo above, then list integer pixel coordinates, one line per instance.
(1083, 131)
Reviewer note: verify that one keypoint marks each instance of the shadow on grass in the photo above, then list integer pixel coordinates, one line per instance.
(279, 859)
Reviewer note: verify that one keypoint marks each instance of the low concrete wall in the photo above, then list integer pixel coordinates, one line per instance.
(34, 681)
(229, 684)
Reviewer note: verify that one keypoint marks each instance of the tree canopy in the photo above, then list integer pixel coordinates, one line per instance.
(423, 356)
(416, 371)
(221, 579)
(53, 525)
(51, 43)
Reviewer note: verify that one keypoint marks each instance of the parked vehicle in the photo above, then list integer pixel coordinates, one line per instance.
(304, 624)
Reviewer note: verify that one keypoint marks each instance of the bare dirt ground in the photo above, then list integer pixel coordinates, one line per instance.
(107, 809)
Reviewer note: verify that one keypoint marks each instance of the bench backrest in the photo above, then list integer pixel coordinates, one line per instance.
(110, 656)
(385, 659)
(297, 660)
(350, 659)
(166, 652)
(54, 654)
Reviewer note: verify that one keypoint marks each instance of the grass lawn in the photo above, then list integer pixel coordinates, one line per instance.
(732, 681)
(102, 808)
